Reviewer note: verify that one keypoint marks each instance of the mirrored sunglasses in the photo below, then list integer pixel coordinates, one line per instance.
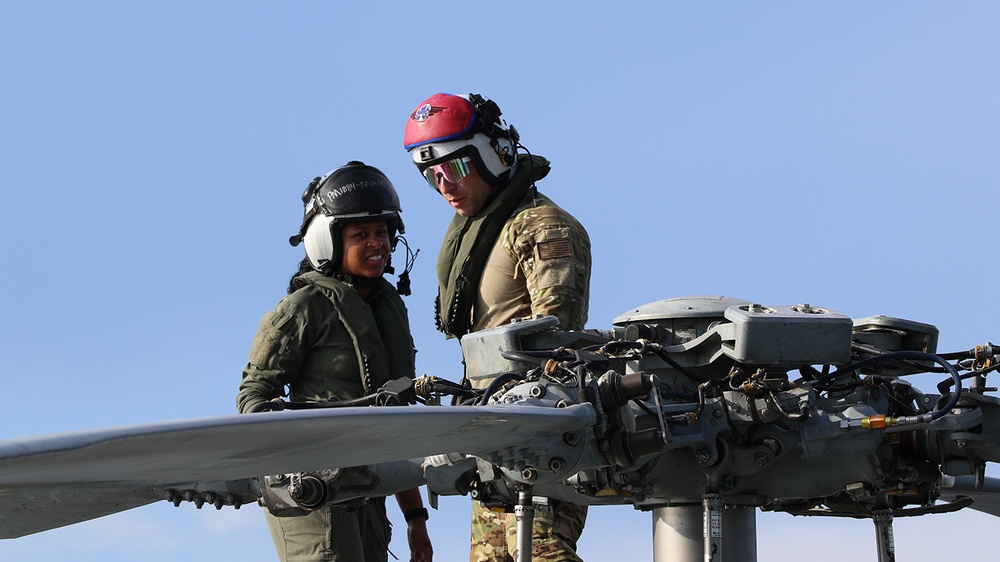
(452, 171)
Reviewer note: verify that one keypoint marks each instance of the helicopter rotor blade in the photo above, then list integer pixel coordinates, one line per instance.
(251, 445)
(987, 497)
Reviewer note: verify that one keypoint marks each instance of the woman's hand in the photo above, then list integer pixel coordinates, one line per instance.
(419, 540)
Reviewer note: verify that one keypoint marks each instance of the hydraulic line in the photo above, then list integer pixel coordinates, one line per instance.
(880, 421)
(537, 357)
(496, 383)
(662, 354)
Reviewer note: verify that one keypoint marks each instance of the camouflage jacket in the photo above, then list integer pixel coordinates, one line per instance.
(540, 264)
(522, 255)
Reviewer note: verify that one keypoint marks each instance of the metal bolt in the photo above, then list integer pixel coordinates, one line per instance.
(703, 456)
(556, 464)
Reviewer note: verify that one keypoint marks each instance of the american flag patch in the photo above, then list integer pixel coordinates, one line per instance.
(560, 248)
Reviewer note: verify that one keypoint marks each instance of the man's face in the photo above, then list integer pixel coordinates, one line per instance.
(468, 196)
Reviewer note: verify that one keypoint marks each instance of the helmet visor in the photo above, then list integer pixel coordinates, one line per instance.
(452, 171)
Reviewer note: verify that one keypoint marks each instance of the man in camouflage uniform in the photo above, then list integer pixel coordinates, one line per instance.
(509, 253)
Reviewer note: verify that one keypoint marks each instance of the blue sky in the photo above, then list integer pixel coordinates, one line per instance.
(842, 154)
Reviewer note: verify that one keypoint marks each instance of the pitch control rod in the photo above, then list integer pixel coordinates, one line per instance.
(524, 514)
(883, 535)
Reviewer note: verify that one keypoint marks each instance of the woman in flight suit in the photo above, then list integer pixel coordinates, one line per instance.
(340, 334)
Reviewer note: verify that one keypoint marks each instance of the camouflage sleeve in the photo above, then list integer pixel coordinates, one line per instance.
(552, 250)
(276, 356)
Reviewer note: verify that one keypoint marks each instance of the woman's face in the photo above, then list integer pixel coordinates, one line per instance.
(365, 248)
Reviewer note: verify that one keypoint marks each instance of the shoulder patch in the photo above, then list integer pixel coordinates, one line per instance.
(553, 243)
(268, 339)
(557, 249)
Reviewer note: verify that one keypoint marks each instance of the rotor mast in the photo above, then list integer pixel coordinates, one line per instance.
(705, 533)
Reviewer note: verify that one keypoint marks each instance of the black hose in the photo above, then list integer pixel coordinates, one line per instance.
(876, 351)
(537, 357)
(677, 366)
(496, 383)
(614, 347)
(911, 356)
(958, 355)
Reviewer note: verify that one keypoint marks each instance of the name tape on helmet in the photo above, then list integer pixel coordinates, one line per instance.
(332, 194)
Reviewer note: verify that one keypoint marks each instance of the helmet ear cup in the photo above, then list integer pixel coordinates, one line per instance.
(497, 155)
(322, 243)
(505, 151)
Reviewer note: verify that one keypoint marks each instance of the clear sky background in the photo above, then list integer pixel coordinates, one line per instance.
(842, 154)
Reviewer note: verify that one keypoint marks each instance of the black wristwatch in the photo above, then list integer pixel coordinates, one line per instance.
(412, 514)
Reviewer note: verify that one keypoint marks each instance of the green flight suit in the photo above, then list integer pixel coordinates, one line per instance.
(326, 343)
